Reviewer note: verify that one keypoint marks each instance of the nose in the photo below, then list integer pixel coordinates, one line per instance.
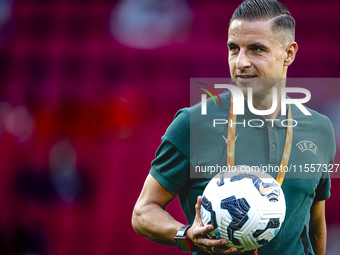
(242, 60)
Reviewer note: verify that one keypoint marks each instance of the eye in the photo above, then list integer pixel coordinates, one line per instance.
(233, 48)
(256, 49)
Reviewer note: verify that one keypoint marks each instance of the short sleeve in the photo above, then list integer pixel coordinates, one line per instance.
(323, 189)
(322, 192)
(171, 166)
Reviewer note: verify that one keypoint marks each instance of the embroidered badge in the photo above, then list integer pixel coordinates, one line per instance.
(307, 145)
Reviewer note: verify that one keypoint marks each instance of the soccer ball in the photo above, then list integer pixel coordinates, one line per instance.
(245, 205)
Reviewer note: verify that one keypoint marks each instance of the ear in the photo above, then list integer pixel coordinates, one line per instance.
(291, 50)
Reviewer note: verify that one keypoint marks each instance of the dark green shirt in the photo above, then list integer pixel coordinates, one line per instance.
(191, 140)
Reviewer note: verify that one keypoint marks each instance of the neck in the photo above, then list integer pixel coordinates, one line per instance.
(265, 102)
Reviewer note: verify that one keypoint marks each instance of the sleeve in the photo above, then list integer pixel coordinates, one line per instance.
(323, 189)
(171, 166)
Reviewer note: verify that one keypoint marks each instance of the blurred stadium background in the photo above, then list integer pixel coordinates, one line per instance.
(88, 87)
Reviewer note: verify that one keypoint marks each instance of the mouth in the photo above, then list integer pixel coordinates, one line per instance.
(246, 77)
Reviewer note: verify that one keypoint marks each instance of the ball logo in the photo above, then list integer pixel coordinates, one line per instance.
(264, 190)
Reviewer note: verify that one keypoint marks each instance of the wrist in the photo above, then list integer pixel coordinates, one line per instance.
(183, 241)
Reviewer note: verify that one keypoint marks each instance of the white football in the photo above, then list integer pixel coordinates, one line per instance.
(245, 205)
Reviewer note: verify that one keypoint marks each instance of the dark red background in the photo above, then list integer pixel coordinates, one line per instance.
(113, 103)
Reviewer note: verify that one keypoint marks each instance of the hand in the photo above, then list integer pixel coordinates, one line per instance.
(198, 235)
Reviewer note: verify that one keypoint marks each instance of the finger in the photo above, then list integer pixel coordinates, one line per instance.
(198, 219)
(226, 251)
(198, 206)
(197, 231)
(221, 250)
(212, 242)
(201, 230)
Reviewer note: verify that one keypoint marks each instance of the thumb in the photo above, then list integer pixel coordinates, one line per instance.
(198, 218)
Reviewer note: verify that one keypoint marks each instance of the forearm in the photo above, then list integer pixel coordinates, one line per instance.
(318, 236)
(317, 228)
(150, 219)
(154, 223)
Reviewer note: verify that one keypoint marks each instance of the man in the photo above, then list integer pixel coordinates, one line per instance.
(261, 47)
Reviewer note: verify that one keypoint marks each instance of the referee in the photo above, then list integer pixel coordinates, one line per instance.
(261, 42)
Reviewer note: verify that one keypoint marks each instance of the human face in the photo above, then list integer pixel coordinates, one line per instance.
(256, 54)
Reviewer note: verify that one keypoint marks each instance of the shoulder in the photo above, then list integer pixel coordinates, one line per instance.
(180, 124)
(315, 121)
(316, 126)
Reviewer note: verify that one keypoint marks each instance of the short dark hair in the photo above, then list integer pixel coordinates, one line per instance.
(256, 10)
